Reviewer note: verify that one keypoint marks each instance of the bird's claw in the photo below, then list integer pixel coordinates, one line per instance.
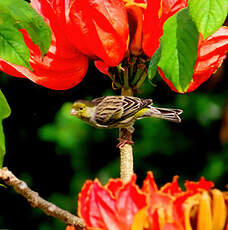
(123, 142)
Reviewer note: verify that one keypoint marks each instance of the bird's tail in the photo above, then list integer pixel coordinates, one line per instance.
(163, 113)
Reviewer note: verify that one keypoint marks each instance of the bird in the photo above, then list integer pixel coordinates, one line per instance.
(120, 111)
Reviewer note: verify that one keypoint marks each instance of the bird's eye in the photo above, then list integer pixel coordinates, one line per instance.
(80, 108)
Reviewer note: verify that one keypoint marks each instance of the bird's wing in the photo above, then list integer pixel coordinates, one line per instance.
(109, 110)
(131, 105)
(116, 108)
(98, 100)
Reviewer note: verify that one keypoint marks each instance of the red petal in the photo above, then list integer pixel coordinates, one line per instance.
(102, 67)
(135, 19)
(157, 12)
(97, 207)
(149, 184)
(211, 54)
(172, 188)
(99, 29)
(171, 226)
(114, 185)
(129, 201)
(196, 186)
(170, 7)
(152, 27)
(179, 208)
(63, 66)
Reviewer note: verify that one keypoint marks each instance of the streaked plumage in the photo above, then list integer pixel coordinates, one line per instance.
(120, 111)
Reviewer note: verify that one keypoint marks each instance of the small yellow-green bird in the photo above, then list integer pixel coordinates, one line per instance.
(120, 111)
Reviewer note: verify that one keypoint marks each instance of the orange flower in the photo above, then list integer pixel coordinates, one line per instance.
(119, 206)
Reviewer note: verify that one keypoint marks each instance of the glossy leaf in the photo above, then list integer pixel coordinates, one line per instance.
(4, 113)
(179, 49)
(12, 46)
(208, 15)
(20, 15)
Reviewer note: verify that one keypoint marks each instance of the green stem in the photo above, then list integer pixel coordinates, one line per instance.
(141, 80)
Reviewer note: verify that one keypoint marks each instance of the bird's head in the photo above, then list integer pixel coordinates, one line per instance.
(82, 109)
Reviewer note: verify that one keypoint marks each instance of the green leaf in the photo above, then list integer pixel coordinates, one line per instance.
(4, 113)
(208, 15)
(27, 18)
(152, 70)
(16, 15)
(179, 49)
(12, 46)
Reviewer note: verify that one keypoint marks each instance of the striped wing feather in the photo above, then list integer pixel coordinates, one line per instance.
(113, 109)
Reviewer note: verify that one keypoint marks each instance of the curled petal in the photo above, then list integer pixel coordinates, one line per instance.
(172, 188)
(99, 29)
(63, 66)
(135, 18)
(102, 67)
(114, 185)
(196, 186)
(211, 54)
(149, 184)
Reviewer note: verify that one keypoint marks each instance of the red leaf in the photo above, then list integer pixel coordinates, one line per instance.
(99, 29)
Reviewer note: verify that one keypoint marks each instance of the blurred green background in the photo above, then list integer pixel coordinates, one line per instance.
(55, 153)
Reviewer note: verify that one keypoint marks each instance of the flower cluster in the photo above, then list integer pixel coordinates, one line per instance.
(118, 206)
(108, 32)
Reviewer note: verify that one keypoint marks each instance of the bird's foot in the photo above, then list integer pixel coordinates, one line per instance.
(123, 142)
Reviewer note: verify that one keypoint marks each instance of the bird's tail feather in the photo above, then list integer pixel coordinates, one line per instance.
(163, 113)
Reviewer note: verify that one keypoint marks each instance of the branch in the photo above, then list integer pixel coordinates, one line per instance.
(126, 151)
(126, 162)
(37, 202)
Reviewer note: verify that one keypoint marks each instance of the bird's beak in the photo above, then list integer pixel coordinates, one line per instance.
(73, 112)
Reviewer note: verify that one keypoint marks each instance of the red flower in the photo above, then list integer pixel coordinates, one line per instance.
(63, 66)
(106, 31)
(81, 29)
(119, 206)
